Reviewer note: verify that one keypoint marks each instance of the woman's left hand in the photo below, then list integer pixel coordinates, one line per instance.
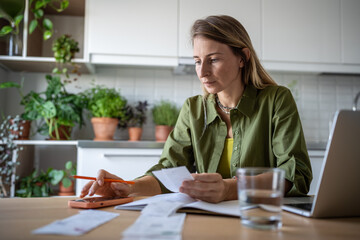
(209, 187)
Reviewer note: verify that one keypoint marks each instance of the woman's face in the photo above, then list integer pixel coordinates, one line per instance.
(217, 67)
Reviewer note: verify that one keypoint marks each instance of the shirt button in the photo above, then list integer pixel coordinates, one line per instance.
(235, 148)
(236, 132)
(234, 164)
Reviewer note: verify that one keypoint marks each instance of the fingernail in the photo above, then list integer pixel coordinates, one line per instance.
(90, 192)
(100, 182)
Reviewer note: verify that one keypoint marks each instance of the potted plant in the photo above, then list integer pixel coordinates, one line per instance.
(13, 12)
(62, 177)
(37, 184)
(8, 148)
(135, 118)
(57, 109)
(24, 121)
(106, 106)
(165, 114)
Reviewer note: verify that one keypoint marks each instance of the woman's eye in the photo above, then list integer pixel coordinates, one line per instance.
(197, 62)
(213, 60)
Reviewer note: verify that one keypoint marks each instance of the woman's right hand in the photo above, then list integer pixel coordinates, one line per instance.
(106, 189)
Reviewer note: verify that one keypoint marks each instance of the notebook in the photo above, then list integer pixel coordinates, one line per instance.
(338, 191)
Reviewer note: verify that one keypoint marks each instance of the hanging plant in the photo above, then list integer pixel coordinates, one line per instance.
(64, 49)
(37, 7)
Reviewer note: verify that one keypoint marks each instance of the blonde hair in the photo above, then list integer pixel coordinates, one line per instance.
(229, 31)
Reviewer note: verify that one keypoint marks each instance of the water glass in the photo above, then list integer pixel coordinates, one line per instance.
(260, 193)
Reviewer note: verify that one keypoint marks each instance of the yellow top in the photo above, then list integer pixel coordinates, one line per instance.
(224, 164)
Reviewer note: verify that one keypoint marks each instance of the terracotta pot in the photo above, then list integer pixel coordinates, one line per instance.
(64, 133)
(135, 133)
(104, 128)
(162, 132)
(24, 130)
(66, 191)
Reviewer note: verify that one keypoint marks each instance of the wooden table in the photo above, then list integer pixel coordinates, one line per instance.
(19, 216)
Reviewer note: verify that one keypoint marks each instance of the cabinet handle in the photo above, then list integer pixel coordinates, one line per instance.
(130, 155)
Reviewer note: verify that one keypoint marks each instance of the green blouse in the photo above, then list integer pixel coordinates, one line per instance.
(266, 129)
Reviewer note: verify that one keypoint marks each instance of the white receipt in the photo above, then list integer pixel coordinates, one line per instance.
(161, 208)
(78, 224)
(156, 227)
(172, 178)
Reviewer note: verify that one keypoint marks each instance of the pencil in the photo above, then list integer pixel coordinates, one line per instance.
(106, 179)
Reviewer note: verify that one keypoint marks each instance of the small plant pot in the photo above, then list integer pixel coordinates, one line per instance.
(66, 191)
(24, 130)
(64, 133)
(162, 132)
(104, 128)
(135, 133)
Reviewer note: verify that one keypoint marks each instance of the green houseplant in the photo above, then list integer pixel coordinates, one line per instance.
(64, 49)
(27, 116)
(106, 106)
(57, 109)
(165, 114)
(62, 177)
(37, 184)
(37, 8)
(135, 118)
(13, 12)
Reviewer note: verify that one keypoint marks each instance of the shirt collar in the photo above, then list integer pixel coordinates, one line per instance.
(245, 106)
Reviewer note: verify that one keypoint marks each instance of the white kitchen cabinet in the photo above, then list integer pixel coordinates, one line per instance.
(301, 31)
(127, 163)
(133, 32)
(247, 12)
(350, 20)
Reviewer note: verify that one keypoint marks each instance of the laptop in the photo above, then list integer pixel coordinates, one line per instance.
(338, 191)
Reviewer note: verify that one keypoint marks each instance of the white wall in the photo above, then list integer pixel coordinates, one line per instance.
(317, 96)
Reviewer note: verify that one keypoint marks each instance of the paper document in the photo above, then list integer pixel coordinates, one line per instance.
(156, 227)
(78, 224)
(230, 208)
(172, 178)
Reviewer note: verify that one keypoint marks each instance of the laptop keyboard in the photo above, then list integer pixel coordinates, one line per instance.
(305, 206)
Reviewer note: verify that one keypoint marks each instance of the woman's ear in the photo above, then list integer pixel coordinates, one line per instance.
(246, 53)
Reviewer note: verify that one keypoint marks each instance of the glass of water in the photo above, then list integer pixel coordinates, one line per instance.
(260, 192)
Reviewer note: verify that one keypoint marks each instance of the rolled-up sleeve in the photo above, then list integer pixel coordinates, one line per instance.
(178, 149)
(289, 145)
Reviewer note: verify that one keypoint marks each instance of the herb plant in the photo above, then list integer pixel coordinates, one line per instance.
(105, 102)
(165, 113)
(136, 115)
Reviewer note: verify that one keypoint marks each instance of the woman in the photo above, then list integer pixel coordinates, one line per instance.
(243, 120)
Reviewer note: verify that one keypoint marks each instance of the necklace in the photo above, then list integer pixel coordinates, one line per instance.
(222, 107)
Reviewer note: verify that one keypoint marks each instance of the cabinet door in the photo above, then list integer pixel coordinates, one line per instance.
(350, 20)
(125, 163)
(133, 28)
(301, 31)
(247, 12)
